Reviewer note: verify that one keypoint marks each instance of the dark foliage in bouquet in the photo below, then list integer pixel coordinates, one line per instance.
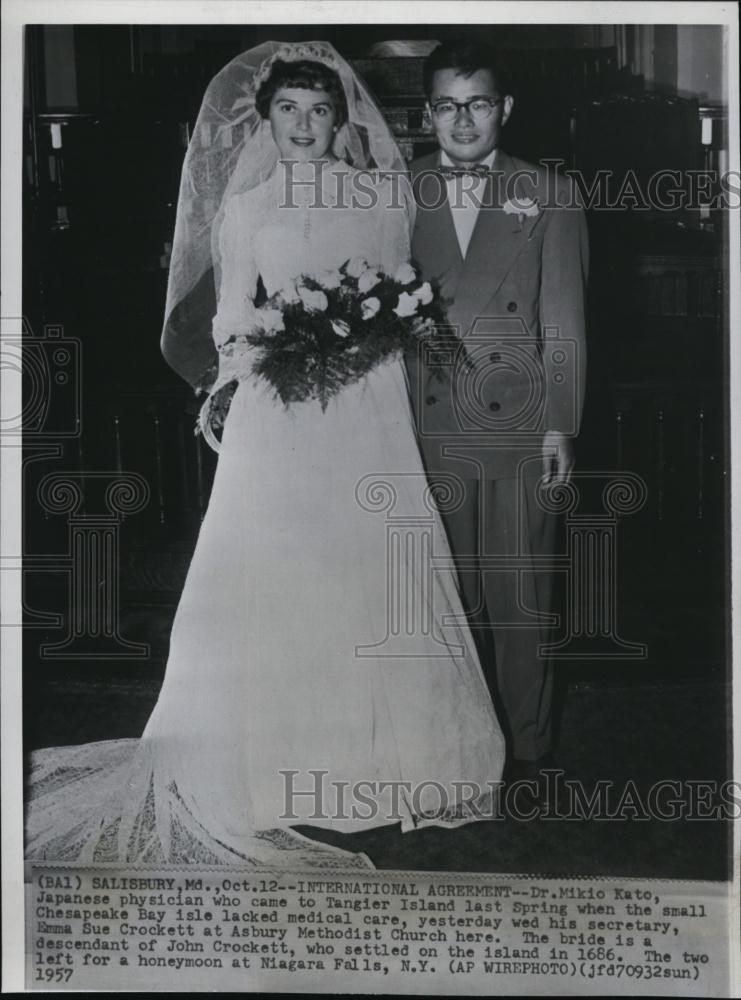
(337, 329)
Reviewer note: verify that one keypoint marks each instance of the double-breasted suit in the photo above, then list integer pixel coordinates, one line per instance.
(515, 369)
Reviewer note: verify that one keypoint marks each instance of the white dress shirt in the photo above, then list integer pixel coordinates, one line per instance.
(464, 198)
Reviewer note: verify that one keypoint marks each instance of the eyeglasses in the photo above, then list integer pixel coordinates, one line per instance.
(480, 108)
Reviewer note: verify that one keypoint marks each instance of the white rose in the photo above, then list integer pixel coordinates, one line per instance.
(424, 294)
(314, 301)
(370, 307)
(330, 279)
(405, 275)
(356, 266)
(407, 305)
(367, 280)
(271, 320)
(520, 206)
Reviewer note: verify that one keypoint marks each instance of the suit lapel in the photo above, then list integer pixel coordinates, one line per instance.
(496, 241)
(436, 245)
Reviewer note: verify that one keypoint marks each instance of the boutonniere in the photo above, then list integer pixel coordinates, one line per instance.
(522, 208)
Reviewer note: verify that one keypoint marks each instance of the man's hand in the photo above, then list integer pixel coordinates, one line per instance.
(558, 457)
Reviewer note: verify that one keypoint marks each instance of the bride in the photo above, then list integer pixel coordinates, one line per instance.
(288, 697)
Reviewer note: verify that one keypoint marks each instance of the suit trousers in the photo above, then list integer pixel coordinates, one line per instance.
(508, 608)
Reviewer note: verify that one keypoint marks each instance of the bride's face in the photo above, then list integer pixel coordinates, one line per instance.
(303, 122)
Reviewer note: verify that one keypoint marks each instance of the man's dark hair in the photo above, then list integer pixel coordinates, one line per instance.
(463, 56)
(306, 74)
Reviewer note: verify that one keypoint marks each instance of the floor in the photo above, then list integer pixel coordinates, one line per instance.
(631, 730)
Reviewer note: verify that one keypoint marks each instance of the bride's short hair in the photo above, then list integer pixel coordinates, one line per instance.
(306, 74)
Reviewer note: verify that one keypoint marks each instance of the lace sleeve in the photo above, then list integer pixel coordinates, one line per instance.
(236, 272)
(236, 284)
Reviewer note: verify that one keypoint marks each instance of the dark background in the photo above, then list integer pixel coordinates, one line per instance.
(108, 112)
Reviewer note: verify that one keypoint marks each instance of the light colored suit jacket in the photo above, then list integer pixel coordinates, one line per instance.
(517, 303)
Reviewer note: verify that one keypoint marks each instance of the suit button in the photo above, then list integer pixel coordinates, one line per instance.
(495, 357)
(430, 400)
(511, 307)
(494, 407)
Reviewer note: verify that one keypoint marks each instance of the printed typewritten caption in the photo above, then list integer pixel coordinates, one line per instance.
(381, 932)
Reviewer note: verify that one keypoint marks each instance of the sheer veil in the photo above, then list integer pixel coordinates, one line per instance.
(231, 151)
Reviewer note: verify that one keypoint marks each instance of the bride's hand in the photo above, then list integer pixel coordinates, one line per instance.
(235, 364)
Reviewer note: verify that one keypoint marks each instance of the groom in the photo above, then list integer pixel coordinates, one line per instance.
(497, 414)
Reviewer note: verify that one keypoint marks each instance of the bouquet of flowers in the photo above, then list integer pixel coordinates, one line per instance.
(329, 332)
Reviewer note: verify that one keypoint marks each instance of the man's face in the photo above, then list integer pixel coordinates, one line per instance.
(467, 139)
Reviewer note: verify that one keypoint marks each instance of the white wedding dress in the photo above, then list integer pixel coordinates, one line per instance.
(313, 635)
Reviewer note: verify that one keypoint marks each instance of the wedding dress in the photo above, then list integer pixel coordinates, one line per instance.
(311, 637)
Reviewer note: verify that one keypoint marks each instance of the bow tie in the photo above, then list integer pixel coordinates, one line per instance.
(477, 170)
